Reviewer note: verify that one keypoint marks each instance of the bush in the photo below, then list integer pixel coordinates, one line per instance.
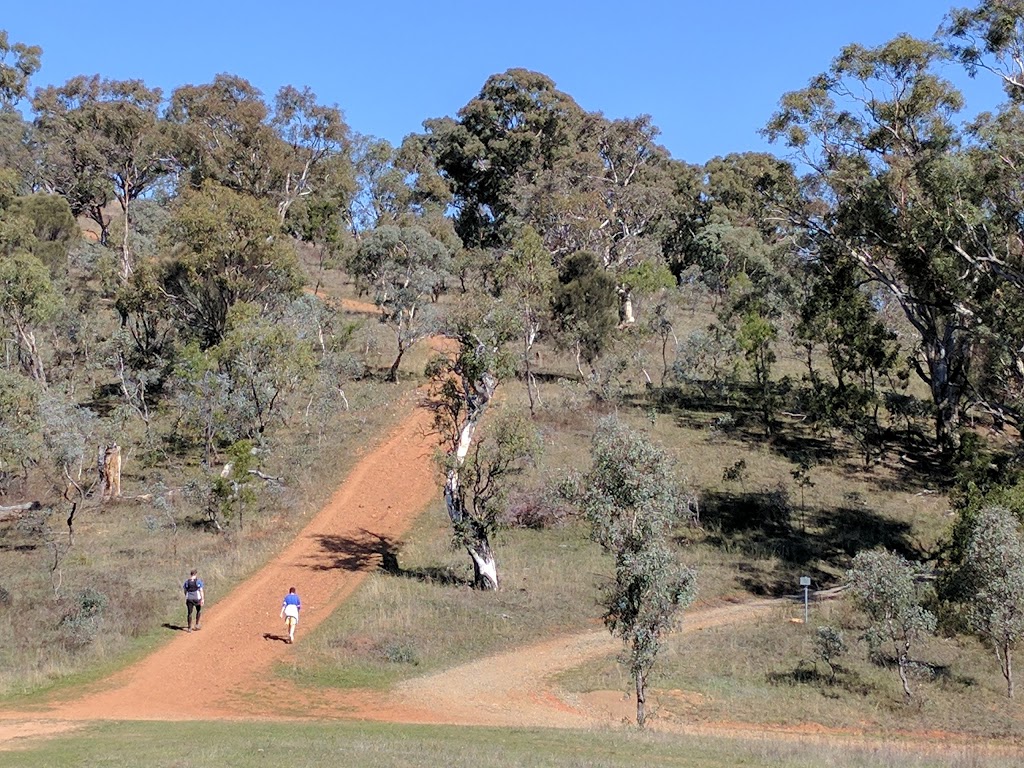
(536, 509)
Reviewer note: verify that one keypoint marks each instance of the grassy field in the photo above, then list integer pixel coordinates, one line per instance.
(372, 745)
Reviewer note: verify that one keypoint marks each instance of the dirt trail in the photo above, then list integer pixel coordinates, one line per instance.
(200, 675)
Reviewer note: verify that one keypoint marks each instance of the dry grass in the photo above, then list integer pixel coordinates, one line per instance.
(426, 616)
(767, 672)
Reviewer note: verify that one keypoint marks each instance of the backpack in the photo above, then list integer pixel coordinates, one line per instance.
(192, 589)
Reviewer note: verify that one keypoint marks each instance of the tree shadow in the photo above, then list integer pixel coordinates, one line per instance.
(360, 553)
(806, 673)
(726, 414)
(764, 528)
(356, 553)
(442, 575)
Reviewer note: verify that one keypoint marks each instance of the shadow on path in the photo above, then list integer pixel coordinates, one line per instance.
(356, 553)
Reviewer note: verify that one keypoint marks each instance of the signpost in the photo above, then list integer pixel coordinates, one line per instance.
(805, 582)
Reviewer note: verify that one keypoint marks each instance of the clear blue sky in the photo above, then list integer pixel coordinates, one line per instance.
(710, 74)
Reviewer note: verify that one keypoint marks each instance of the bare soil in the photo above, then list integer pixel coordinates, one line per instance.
(225, 670)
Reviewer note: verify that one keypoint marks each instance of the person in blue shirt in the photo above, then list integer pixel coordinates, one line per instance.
(193, 588)
(290, 612)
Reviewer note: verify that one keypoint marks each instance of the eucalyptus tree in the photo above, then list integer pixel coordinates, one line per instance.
(403, 266)
(316, 159)
(35, 235)
(28, 300)
(610, 201)
(18, 62)
(990, 37)
(631, 498)
(225, 131)
(519, 126)
(102, 139)
(221, 133)
(381, 190)
(887, 588)
(837, 317)
(993, 572)
(890, 190)
(526, 276)
(224, 248)
(583, 309)
(476, 475)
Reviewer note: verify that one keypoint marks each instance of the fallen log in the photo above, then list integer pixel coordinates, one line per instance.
(13, 511)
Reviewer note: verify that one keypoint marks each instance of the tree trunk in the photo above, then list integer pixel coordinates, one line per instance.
(126, 256)
(626, 316)
(1008, 667)
(108, 461)
(641, 698)
(902, 663)
(393, 373)
(477, 396)
(485, 569)
(532, 391)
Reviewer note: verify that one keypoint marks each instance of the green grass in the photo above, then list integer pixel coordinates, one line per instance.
(373, 745)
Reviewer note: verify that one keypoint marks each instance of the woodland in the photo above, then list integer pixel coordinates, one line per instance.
(176, 352)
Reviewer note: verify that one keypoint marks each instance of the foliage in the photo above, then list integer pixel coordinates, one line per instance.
(405, 266)
(830, 644)
(465, 385)
(993, 574)
(226, 249)
(583, 307)
(886, 588)
(233, 487)
(16, 70)
(631, 497)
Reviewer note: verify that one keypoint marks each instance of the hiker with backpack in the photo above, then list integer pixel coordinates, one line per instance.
(193, 587)
(290, 612)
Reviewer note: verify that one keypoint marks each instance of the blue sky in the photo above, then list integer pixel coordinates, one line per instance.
(710, 74)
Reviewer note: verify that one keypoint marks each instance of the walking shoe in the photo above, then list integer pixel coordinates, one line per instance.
(197, 627)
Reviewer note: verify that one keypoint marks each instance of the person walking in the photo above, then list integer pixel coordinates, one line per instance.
(290, 612)
(193, 587)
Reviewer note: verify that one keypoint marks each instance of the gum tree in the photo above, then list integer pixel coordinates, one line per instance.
(475, 474)
(994, 572)
(886, 587)
(631, 498)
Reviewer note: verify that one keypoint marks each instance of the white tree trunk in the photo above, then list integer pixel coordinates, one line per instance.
(477, 395)
(485, 569)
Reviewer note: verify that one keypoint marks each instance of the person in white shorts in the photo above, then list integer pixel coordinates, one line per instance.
(290, 612)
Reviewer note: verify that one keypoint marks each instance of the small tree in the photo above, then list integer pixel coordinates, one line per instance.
(233, 487)
(403, 266)
(830, 644)
(631, 498)
(994, 574)
(885, 585)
